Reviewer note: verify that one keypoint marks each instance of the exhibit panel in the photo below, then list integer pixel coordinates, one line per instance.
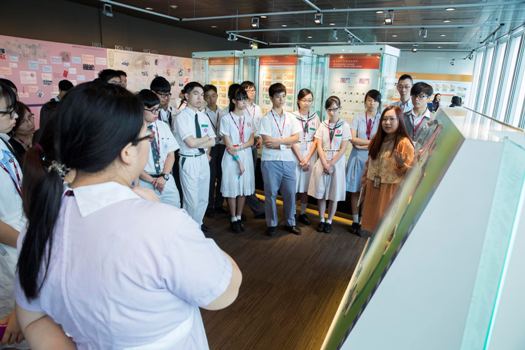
(431, 276)
(219, 68)
(351, 71)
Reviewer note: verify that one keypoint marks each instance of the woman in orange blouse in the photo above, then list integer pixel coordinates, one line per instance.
(391, 153)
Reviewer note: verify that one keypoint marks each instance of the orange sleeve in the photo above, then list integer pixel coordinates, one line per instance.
(406, 150)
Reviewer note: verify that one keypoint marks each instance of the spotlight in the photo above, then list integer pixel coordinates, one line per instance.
(389, 17)
(232, 37)
(254, 45)
(414, 49)
(107, 10)
(318, 18)
(255, 22)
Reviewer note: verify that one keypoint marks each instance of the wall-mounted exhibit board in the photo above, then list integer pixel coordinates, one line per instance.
(351, 71)
(142, 67)
(36, 66)
(447, 85)
(291, 67)
(219, 68)
(433, 274)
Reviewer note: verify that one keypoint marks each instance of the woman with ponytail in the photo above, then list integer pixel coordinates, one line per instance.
(113, 269)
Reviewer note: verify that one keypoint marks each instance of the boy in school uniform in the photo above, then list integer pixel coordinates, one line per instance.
(404, 85)
(213, 112)
(416, 120)
(195, 136)
(162, 88)
(157, 173)
(279, 131)
(253, 111)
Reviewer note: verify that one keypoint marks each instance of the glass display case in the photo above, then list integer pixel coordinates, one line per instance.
(219, 68)
(350, 71)
(294, 67)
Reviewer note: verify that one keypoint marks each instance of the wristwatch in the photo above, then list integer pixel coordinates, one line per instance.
(165, 176)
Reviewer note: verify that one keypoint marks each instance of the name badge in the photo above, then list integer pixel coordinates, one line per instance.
(283, 147)
(377, 181)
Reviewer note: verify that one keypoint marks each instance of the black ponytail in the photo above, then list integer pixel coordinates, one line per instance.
(93, 123)
(232, 89)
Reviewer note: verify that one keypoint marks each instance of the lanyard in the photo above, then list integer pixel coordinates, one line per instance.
(211, 122)
(158, 135)
(416, 127)
(240, 128)
(305, 123)
(331, 131)
(16, 181)
(369, 125)
(281, 130)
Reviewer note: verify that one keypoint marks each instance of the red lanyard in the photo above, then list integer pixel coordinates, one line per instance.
(369, 125)
(305, 123)
(281, 130)
(416, 127)
(331, 131)
(18, 180)
(240, 128)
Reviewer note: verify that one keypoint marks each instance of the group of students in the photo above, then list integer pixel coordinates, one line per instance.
(91, 174)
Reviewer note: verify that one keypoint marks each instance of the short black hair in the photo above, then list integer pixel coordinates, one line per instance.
(148, 97)
(122, 73)
(405, 77)
(247, 84)
(209, 87)
(160, 84)
(421, 87)
(276, 88)
(188, 88)
(108, 74)
(373, 94)
(65, 85)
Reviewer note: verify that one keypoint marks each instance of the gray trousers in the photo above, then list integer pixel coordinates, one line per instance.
(279, 175)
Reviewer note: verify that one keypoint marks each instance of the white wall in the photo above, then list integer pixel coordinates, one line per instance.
(434, 62)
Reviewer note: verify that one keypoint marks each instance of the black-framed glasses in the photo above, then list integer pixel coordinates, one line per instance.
(12, 114)
(333, 109)
(163, 94)
(421, 96)
(153, 110)
(149, 136)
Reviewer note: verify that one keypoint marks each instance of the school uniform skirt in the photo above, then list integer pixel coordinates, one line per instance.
(355, 168)
(328, 186)
(303, 177)
(233, 184)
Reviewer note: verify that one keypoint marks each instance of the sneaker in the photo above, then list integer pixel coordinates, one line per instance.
(303, 219)
(327, 227)
(320, 227)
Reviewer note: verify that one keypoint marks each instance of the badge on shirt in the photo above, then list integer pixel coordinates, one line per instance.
(339, 133)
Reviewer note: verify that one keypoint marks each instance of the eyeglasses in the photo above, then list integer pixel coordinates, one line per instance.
(333, 109)
(250, 90)
(421, 96)
(306, 101)
(153, 110)
(12, 114)
(163, 94)
(149, 136)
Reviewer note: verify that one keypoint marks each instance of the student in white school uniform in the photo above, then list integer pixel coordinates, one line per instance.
(98, 262)
(12, 220)
(305, 151)
(162, 88)
(404, 85)
(195, 136)
(363, 128)
(254, 112)
(417, 120)
(157, 173)
(328, 177)
(237, 163)
(213, 112)
(279, 131)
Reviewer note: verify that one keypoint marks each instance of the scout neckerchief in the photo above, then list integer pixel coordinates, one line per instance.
(281, 131)
(240, 127)
(8, 164)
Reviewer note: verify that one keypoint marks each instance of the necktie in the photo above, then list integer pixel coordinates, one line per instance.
(198, 131)
(155, 151)
(369, 128)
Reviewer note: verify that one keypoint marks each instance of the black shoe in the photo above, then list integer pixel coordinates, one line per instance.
(259, 215)
(241, 225)
(320, 227)
(271, 231)
(303, 219)
(236, 226)
(204, 228)
(293, 229)
(327, 227)
(356, 229)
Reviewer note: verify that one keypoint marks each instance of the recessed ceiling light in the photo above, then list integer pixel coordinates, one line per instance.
(174, 6)
(309, 37)
(149, 8)
(284, 25)
(443, 35)
(450, 9)
(439, 47)
(394, 35)
(263, 16)
(332, 24)
(447, 21)
(380, 11)
(214, 26)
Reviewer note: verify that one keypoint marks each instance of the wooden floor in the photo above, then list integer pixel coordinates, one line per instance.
(292, 285)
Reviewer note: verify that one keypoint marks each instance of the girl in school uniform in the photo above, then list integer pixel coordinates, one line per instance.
(328, 176)
(364, 127)
(238, 179)
(305, 151)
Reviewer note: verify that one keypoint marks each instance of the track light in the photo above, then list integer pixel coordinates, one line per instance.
(423, 33)
(255, 22)
(107, 10)
(254, 45)
(389, 17)
(232, 37)
(318, 18)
